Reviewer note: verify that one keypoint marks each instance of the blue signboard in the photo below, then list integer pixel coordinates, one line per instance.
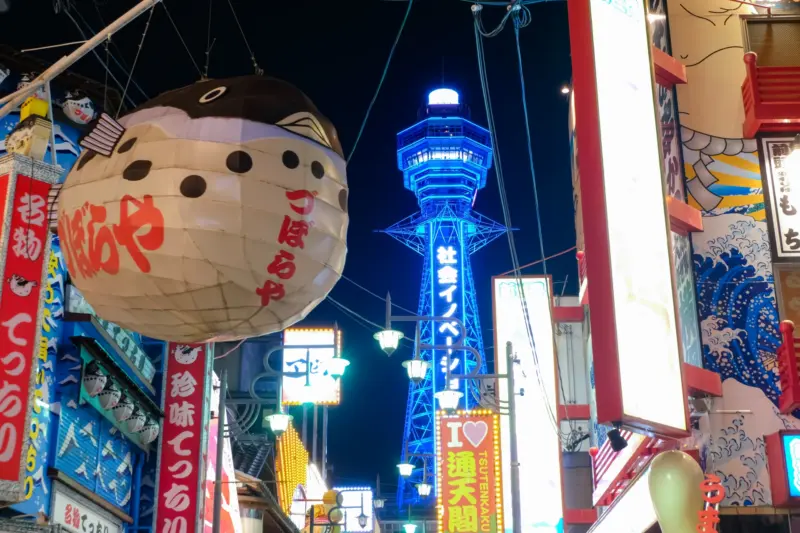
(791, 450)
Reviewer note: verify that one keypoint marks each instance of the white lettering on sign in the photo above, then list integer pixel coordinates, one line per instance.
(32, 209)
(455, 433)
(447, 276)
(181, 414)
(11, 400)
(183, 384)
(77, 517)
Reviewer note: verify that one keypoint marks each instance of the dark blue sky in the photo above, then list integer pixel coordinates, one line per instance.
(335, 52)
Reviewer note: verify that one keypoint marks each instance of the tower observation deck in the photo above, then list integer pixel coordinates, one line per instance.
(444, 159)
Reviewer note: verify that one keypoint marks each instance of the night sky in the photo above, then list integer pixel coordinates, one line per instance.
(335, 52)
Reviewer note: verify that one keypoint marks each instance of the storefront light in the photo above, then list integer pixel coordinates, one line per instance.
(405, 469)
(409, 528)
(448, 399)
(337, 366)
(388, 340)
(279, 423)
(424, 489)
(416, 369)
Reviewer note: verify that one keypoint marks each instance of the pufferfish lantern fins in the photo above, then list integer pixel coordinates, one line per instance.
(103, 136)
(306, 125)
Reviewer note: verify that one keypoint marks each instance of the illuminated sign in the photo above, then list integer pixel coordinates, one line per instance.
(538, 444)
(713, 494)
(469, 489)
(80, 516)
(448, 301)
(356, 500)
(635, 336)
(443, 97)
(783, 198)
(291, 465)
(323, 389)
(186, 379)
(631, 512)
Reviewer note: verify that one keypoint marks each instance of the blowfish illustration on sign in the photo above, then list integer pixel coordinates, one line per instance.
(213, 212)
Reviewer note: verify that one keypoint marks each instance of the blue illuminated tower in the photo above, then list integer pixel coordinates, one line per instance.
(444, 159)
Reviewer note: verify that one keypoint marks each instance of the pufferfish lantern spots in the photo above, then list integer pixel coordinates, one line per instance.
(213, 212)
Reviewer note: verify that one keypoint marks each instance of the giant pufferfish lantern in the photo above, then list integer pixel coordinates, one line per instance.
(213, 212)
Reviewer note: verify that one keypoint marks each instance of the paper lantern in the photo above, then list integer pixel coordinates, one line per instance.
(213, 212)
(124, 409)
(78, 108)
(136, 421)
(109, 396)
(93, 379)
(149, 432)
(674, 481)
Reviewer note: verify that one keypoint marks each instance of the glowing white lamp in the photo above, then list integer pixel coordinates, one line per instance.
(279, 423)
(443, 97)
(337, 366)
(424, 489)
(379, 503)
(565, 89)
(362, 520)
(448, 399)
(409, 528)
(388, 340)
(416, 369)
(405, 469)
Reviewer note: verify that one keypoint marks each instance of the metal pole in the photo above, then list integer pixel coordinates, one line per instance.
(13, 100)
(314, 431)
(53, 157)
(324, 443)
(223, 391)
(388, 311)
(516, 510)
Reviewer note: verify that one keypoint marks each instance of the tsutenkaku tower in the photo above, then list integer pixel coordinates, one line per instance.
(444, 159)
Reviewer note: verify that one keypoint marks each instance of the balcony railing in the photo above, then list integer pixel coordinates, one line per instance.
(789, 369)
(771, 97)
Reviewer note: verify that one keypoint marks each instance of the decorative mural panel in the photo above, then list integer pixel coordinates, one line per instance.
(734, 278)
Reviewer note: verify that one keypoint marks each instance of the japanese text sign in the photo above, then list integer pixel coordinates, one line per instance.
(79, 517)
(448, 302)
(783, 199)
(713, 494)
(324, 388)
(179, 506)
(24, 253)
(469, 496)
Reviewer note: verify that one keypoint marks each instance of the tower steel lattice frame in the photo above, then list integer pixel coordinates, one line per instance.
(444, 159)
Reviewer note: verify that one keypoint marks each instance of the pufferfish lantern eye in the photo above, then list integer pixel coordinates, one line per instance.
(213, 94)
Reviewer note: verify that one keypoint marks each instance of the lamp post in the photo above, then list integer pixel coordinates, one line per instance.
(279, 422)
(448, 399)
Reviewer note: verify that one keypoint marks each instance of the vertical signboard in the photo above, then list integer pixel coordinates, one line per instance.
(782, 199)
(628, 245)
(181, 469)
(447, 301)
(324, 389)
(538, 443)
(24, 255)
(469, 488)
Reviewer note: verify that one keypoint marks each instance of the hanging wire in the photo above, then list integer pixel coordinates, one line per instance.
(476, 10)
(105, 85)
(379, 297)
(209, 44)
(185, 46)
(380, 83)
(136, 58)
(258, 70)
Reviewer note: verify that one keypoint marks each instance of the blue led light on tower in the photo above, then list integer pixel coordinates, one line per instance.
(444, 159)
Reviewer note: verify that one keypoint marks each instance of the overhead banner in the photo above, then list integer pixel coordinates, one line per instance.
(24, 254)
(629, 262)
(469, 476)
(181, 466)
(538, 443)
(324, 389)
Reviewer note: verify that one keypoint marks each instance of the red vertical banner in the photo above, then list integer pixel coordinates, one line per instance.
(179, 507)
(469, 488)
(25, 246)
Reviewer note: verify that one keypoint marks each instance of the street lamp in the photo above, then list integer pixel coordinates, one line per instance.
(388, 339)
(337, 366)
(424, 489)
(279, 423)
(379, 503)
(405, 469)
(362, 520)
(448, 399)
(416, 369)
(409, 528)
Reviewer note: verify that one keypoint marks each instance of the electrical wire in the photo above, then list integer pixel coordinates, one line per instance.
(479, 33)
(185, 46)
(532, 263)
(258, 70)
(414, 313)
(380, 83)
(209, 44)
(136, 59)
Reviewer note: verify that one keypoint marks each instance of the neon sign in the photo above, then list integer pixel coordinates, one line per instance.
(447, 304)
